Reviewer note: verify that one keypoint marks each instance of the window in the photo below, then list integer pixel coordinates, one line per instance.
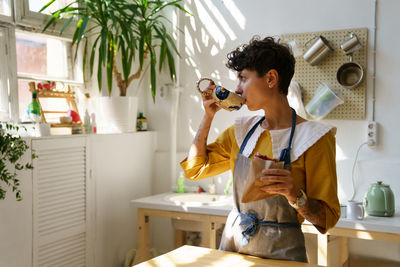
(30, 56)
(5, 7)
(8, 92)
(39, 58)
(36, 5)
(27, 12)
(4, 90)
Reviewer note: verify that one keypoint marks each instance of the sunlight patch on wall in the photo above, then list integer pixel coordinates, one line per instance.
(214, 50)
(198, 74)
(192, 23)
(188, 42)
(339, 153)
(236, 14)
(232, 75)
(210, 25)
(205, 38)
(220, 18)
(216, 75)
(196, 98)
(196, 41)
(174, 25)
(192, 62)
(187, 61)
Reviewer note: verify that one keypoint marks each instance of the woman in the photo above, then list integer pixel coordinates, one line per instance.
(306, 188)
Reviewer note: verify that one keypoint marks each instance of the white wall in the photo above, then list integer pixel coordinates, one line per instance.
(217, 27)
(16, 222)
(122, 171)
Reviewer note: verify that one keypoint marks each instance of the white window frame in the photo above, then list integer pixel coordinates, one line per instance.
(10, 67)
(33, 22)
(25, 17)
(9, 19)
(76, 76)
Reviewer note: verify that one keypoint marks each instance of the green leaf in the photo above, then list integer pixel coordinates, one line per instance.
(99, 74)
(153, 74)
(138, 27)
(50, 22)
(93, 55)
(163, 53)
(66, 25)
(171, 65)
(141, 51)
(84, 59)
(46, 6)
(110, 60)
(82, 28)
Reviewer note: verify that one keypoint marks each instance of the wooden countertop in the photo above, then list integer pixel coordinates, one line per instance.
(200, 257)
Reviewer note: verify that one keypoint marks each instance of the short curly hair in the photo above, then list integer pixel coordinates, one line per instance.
(262, 56)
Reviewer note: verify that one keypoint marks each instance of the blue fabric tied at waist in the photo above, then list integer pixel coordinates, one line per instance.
(252, 221)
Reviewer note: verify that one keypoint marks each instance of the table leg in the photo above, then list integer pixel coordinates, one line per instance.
(143, 251)
(180, 238)
(323, 250)
(343, 251)
(209, 235)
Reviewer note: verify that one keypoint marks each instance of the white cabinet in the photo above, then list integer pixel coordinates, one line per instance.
(76, 209)
(62, 210)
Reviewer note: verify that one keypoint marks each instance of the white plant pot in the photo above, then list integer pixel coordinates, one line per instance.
(116, 114)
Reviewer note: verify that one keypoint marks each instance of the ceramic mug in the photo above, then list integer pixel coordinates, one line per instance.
(355, 210)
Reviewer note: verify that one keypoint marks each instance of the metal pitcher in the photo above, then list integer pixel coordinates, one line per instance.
(318, 50)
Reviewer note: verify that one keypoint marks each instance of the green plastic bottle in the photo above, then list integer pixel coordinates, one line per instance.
(181, 183)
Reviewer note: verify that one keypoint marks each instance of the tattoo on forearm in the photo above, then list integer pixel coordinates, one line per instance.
(200, 136)
(314, 212)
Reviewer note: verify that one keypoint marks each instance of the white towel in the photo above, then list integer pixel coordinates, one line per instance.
(295, 99)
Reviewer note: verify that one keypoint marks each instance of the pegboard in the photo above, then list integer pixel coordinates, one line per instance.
(309, 77)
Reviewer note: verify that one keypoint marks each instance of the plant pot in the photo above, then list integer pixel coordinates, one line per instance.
(117, 114)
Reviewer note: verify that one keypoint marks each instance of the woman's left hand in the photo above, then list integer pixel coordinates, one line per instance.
(279, 181)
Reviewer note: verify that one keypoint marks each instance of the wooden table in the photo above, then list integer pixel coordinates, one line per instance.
(208, 232)
(332, 245)
(200, 257)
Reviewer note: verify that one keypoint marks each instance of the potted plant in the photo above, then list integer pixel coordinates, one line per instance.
(12, 148)
(131, 31)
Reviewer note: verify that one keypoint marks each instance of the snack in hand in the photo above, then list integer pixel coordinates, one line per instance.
(253, 182)
(264, 157)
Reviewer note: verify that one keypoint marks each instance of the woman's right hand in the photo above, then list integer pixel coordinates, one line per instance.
(210, 107)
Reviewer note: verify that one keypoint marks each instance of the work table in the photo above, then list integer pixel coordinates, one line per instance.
(370, 223)
(197, 256)
(371, 228)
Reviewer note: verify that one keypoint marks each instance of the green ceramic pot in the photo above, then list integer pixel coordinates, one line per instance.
(379, 200)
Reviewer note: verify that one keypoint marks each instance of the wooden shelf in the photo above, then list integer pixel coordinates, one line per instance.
(78, 124)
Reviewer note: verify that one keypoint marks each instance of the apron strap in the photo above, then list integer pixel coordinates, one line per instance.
(285, 153)
(249, 134)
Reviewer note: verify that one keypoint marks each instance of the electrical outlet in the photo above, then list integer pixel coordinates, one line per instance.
(372, 133)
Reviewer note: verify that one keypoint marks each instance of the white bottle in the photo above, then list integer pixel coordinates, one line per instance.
(93, 123)
(86, 123)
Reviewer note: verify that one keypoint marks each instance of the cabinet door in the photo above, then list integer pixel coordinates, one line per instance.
(61, 194)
